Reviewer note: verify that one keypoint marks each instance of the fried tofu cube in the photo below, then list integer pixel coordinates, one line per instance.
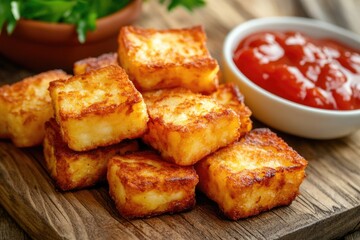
(93, 63)
(25, 106)
(76, 170)
(158, 59)
(228, 95)
(143, 185)
(4, 130)
(185, 126)
(98, 108)
(255, 174)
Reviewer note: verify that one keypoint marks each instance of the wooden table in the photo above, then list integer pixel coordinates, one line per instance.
(328, 207)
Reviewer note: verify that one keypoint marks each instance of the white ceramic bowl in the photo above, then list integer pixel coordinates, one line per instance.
(278, 112)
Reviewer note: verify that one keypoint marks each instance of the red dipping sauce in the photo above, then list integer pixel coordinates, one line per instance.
(320, 73)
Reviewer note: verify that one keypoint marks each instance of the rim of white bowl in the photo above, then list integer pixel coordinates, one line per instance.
(230, 46)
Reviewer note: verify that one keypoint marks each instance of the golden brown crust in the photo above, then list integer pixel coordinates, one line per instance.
(143, 185)
(158, 59)
(113, 77)
(77, 170)
(25, 106)
(186, 126)
(4, 131)
(255, 174)
(93, 63)
(229, 95)
(105, 98)
(266, 139)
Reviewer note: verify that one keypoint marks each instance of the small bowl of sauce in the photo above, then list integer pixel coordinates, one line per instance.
(298, 75)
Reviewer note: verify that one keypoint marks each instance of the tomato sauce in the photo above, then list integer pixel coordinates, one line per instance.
(320, 73)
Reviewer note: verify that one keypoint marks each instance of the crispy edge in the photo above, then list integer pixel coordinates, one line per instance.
(127, 174)
(58, 151)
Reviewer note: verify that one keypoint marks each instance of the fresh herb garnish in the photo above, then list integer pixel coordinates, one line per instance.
(188, 4)
(82, 13)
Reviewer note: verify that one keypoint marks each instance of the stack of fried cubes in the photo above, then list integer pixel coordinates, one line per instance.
(162, 89)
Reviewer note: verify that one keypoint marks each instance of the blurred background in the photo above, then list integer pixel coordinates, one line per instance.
(339, 12)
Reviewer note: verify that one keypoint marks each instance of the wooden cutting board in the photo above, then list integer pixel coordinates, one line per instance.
(328, 207)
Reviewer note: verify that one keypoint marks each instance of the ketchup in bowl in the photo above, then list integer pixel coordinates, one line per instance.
(320, 73)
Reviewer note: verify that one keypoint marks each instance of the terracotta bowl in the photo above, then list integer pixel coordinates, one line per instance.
(42, 46)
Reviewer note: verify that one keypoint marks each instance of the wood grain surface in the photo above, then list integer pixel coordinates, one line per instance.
(328, 207)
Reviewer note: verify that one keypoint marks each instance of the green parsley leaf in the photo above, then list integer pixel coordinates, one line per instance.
(188, 4)
(6, 15)
(46, 10)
